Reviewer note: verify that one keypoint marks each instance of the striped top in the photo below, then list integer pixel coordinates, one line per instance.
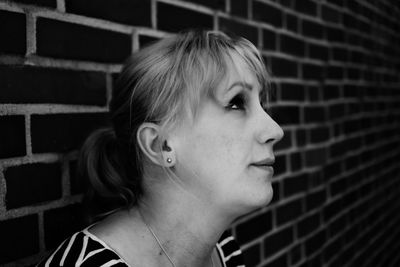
(85, 249)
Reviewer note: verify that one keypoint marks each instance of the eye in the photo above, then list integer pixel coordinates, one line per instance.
(237, 102)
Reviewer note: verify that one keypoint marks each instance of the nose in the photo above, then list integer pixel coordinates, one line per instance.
(270, 131)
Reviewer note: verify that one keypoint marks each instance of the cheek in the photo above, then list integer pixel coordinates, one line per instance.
(220, 150)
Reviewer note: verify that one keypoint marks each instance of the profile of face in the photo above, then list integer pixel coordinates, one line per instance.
(216, 151)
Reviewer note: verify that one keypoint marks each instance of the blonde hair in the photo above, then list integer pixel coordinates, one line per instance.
(164, 83)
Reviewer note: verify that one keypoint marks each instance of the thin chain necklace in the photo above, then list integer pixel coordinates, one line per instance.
(159, 243)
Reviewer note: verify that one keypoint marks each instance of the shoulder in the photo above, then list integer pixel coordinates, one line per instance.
(82, 249)
(229, 250)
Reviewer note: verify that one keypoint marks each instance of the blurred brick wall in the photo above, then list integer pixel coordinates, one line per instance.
(336, 67)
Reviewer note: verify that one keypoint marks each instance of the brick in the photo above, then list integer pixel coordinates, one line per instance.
(315, 157)
(292, 45)
(72, 41)
(341, 148)
(301, 138)
(331, 92)
(285, 115)
(78, 184)
(350, 21)
(306, 6)
(339, 3)
(252, 255)
(280, 164)
(12, 136)
(316, 51)
(313, 93)
(12, 32)
(254, 227)
(60, 223)
(289, 211)
(295, 254)
(308, 225)
(269, 39)
(276, 185)
(335, 34)
(332, 248)
(319, 134)
(67, 131)
(46, 3)
(315, 199)
(292, 91)
(19, 238)
(295, 184)
(332, 209)
(146, 40)
(315, 260)
(313, 71)
(292, 23)
(314, 114)
(136, 12)
(315, 242)
(312, 29)
(353, 73)
(278, 241)
(337, 226)
(332, 170)
(339, 54)
(27, 84)
(336, 111)
(357, 57)
(280, 261)
(296, 162)
(283, 67)
(181, 19)
(351, 91)
(239, 8)
(286, 3)
(285, 142)
(353, 162)
(267, 13)
(41, 182)
(354, 39)
(218, 4)
(240, 29)
(330, 14)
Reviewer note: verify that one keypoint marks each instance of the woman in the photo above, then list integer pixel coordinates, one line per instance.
(191, 150)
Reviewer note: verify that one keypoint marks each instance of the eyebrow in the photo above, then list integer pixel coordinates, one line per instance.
(242, 84)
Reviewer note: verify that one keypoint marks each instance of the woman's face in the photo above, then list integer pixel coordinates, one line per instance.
(216, 152)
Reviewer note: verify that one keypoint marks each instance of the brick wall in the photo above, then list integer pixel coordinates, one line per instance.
(336, 67)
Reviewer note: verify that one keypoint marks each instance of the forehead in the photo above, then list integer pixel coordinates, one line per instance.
(240, 73)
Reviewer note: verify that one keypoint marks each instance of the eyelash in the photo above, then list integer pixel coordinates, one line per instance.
(242, 99)
(234, 101)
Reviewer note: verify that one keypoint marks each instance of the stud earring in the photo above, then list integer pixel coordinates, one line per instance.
(169, 160)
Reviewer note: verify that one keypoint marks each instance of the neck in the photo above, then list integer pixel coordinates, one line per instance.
(187, 229)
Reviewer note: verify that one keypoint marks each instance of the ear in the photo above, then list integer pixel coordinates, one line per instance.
(150, 142)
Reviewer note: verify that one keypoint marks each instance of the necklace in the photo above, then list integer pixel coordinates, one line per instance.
(159, 243)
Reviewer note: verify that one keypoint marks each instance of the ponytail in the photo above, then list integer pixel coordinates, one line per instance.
(109, 170)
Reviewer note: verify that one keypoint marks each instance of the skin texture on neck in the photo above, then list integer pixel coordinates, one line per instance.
(188, 230)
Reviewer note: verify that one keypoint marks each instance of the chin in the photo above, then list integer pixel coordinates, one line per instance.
(266, 197)
(258, 199)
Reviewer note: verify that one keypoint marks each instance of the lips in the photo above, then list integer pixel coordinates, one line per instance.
(265, 165)
(265, 162)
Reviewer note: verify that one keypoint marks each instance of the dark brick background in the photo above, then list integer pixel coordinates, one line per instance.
(335, 66)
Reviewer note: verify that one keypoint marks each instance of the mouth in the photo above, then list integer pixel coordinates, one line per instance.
(268, 168)
(266, 165)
